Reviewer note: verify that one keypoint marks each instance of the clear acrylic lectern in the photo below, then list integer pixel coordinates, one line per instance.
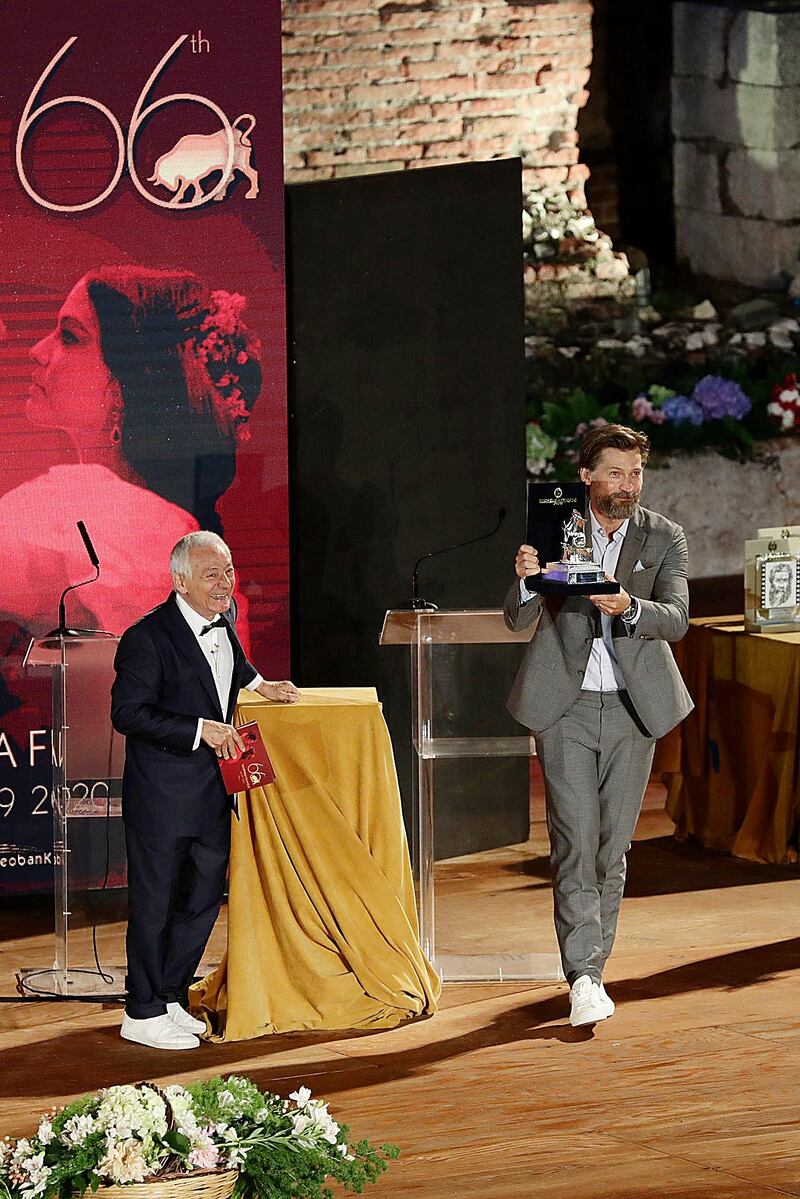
(87, 768)
(469, 892)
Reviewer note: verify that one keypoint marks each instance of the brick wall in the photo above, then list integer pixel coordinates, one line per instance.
(376, 85)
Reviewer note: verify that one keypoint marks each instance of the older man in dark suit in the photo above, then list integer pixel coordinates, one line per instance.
(179, 671)
(597, 686)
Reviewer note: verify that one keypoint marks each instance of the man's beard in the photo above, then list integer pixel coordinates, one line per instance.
(616, 507)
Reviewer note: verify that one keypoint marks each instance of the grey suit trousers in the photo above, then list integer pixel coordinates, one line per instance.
(596, 763)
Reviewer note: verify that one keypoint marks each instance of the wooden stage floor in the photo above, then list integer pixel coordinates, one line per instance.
(692, 1089)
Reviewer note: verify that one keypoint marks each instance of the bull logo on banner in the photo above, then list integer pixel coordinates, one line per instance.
(199, 155)
(183, 169)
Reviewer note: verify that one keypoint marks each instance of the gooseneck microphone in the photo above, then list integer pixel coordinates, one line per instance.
(63, 630)
(417, 604)
(90, 550)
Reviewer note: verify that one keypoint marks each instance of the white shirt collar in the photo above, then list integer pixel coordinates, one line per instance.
(598, 530)
(195, 621)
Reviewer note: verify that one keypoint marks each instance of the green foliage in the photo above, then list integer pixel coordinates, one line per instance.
(73, 1170)
(566, 395)
(282, 1173)
(178, 1142)
(671, 300)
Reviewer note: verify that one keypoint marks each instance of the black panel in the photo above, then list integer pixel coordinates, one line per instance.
(407, 433)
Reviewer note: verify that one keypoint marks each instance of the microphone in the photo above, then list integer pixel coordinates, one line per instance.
(90, 550)
(417, 604)
(62, 630)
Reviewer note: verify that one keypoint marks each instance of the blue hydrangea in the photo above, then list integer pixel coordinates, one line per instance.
(680, 410)
(721, 397)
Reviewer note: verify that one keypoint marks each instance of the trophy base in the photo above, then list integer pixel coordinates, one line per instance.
(766, 626)
(571, 581)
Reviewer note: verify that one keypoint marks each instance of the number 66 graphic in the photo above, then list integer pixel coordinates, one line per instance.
(125, 148)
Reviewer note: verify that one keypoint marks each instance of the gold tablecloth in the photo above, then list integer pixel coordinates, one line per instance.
(322, 925)
(733, 767)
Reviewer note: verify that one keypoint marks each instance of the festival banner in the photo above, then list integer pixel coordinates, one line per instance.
(142, 338)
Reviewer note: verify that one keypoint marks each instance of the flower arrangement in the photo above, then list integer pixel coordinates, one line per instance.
(784, 408)
(282, 1149)
(712, 398)
(713, 412)
(553, 439)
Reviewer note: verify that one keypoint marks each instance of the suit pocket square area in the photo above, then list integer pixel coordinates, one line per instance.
(642, 566)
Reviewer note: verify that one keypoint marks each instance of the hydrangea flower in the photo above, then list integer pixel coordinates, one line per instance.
(720, 397)
(127, 1111)
(182, 1108)
(642, 409)
(681, 410)
(540, 448)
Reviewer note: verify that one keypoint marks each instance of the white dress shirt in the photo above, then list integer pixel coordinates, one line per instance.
(218, 651)
(602, 670)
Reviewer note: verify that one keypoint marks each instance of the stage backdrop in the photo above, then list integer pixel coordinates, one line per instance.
(407, 418)
(142, 336)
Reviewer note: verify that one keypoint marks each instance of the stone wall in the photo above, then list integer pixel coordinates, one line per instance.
(721, 503)
(736, 119)
(380, 85)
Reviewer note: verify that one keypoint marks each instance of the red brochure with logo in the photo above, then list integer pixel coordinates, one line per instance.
(252, 768)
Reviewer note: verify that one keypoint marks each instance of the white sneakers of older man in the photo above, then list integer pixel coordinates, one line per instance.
(163, 1032)
(181, 1017)
(589, 1002)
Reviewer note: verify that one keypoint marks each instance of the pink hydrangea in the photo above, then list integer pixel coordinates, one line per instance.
(642, 409)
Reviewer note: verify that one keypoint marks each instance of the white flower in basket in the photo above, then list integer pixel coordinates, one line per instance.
(211, 1139)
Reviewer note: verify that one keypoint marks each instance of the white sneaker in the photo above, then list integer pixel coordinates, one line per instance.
(158, 1032)
(607, 1000)
(586, 1003)
(180, 1017)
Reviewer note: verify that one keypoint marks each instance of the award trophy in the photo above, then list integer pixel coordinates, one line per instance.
(772, 581)
(574, 573)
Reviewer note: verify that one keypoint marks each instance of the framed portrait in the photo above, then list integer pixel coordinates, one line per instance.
(780, 581)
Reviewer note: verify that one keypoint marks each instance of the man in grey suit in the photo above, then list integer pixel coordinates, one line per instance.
(598, 686)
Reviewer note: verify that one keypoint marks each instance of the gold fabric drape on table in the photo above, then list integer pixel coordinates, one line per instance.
(732, 767)
(322, 925)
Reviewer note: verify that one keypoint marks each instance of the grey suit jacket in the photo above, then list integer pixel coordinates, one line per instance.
(550, 678)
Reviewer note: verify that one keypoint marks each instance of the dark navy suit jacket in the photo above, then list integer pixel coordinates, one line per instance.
(163, 684)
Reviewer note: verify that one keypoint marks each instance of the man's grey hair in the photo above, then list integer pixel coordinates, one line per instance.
(180, 560)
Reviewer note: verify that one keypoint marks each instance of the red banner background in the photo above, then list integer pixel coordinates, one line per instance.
(69, 156)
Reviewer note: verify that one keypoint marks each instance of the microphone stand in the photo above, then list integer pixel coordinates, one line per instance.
(63, 630)
(416, 603)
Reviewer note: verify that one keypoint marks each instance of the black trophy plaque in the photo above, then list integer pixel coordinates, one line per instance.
(559, 529)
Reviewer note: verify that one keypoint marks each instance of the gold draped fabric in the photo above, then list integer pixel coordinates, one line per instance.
(322, 925)
(732, 768)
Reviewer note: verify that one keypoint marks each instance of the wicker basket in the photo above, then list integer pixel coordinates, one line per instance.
(200, 1184)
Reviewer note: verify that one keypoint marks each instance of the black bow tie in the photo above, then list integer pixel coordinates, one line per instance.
(219, 623)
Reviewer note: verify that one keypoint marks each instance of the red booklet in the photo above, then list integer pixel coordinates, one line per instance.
(252, 768)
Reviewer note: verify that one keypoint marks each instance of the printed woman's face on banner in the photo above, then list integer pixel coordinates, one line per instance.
(71, 387)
